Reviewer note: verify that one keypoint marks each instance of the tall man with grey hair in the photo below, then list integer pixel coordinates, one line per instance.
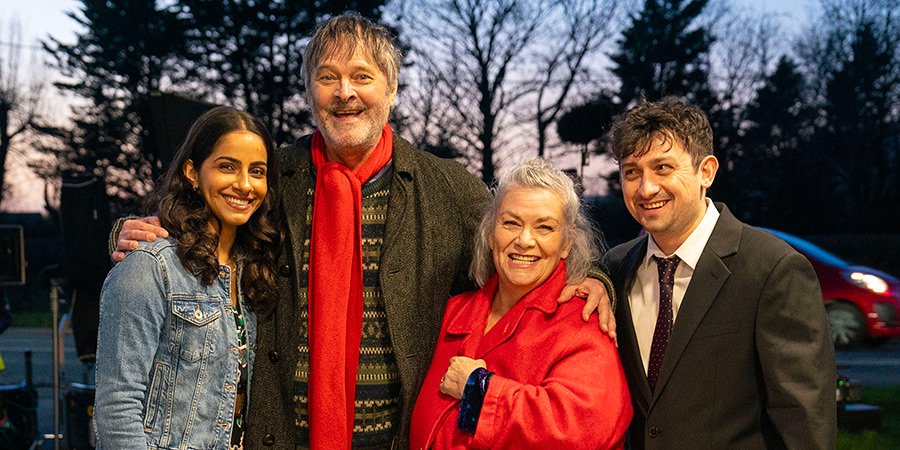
(723, 333)
(349, 344)
(377, 236)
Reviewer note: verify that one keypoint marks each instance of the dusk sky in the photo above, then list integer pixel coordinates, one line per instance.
(43, 17)
(40, 18)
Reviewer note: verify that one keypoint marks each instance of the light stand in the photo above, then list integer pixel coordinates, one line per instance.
(50, 277)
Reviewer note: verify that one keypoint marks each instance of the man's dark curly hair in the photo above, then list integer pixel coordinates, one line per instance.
(186, 215)
(634, 130)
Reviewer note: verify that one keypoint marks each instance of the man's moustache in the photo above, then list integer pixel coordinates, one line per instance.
(344, 106)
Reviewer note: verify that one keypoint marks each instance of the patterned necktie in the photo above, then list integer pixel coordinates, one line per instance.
(666, 267)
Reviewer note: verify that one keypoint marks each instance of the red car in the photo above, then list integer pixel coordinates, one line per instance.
(862, 303)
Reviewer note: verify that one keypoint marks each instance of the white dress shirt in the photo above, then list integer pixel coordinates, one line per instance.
(644, 295)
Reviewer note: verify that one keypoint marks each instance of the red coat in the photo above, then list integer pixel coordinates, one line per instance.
(557, 382)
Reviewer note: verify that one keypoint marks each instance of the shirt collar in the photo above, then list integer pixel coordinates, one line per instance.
(693, 246)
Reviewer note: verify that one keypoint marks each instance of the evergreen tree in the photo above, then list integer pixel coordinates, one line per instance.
(586, 124)
(860, 136)
(662, 53)
(251, 53)
(774, 153)
(234, 52)
(778, 116)
(127, 50)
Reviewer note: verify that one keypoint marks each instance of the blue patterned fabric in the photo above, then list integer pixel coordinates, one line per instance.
(473, 398)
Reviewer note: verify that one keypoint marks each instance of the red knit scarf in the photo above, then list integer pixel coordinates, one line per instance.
(336, 292)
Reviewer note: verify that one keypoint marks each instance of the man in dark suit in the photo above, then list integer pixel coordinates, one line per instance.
(722, 329)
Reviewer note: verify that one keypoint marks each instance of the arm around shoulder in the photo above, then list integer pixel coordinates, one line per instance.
(128, 231)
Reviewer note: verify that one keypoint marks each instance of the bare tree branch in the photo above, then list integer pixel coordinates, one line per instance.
(20, 101)
(584, 27)
(484, 62)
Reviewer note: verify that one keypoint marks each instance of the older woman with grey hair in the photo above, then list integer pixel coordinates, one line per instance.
(513, 368)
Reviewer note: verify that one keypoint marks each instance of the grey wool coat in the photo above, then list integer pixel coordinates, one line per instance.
(434, 208)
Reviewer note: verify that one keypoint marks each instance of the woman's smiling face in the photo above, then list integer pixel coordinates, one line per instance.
(232, 179)
(529, 239)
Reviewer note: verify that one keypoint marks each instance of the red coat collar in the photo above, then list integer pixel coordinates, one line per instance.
(472, 316)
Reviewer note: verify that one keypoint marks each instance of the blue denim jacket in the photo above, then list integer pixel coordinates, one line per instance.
(167, 363)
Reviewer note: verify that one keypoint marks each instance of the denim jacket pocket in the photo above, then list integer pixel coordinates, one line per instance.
(196, 319)
(153, 406)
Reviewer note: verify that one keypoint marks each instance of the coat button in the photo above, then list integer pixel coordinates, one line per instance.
(274, 357)
(653, 432)
(284, 270)
(269, 440)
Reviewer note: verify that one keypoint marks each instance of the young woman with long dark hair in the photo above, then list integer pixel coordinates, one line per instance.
(178, 315)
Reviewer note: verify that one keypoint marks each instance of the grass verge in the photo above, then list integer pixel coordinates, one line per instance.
(32, 320)
(886, 437)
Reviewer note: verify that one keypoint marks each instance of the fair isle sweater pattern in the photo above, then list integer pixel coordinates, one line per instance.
(377, 402)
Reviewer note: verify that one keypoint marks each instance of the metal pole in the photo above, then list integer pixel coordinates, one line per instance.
(29, 373)
(54, 311)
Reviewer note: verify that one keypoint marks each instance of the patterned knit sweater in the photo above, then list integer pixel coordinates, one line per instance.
(378, 379)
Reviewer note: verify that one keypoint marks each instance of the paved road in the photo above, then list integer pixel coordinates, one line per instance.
(13, 344)
(875, 367)
(872, 367)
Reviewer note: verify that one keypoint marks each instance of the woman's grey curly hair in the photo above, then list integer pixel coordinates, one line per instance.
(579, 231)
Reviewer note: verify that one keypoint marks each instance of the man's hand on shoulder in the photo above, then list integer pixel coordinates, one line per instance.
(133, 230)
(597, 298)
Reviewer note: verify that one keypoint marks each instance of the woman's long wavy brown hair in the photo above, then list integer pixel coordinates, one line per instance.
(185, 214)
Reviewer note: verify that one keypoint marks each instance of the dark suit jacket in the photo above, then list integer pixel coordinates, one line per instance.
(750, 363)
